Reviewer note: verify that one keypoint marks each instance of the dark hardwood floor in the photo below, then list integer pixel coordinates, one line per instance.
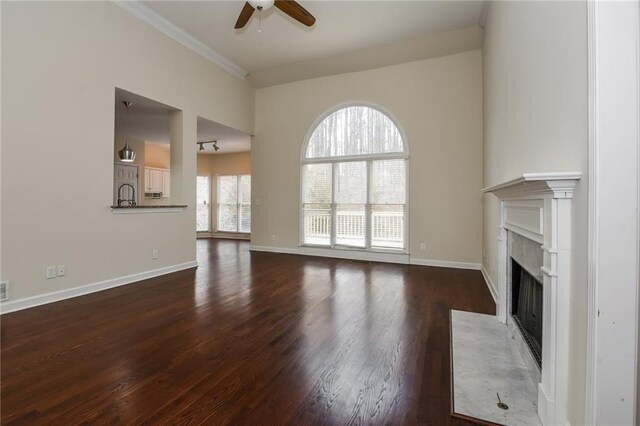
(247, 338)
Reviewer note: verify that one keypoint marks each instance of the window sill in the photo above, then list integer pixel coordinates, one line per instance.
(148, 209)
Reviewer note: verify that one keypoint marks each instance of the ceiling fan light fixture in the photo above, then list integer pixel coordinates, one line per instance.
(289, 7)
(261, 4)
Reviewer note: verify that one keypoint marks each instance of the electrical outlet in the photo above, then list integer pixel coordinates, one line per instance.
(257, 201)
(423, 246)
(51, 272)
(273, 237)
(155, 255)
(62, 270)
(4, 290)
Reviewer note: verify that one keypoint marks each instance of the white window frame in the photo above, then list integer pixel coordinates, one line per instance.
(238, 204)
(368, 159)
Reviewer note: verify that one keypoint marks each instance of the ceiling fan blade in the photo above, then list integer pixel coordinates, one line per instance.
(245, 14)
(297, 12)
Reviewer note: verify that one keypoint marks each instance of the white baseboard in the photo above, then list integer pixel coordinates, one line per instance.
(403, 259)
(492, 287)
(232, 236)
(56, 296)
(338, 254)
(445, 264)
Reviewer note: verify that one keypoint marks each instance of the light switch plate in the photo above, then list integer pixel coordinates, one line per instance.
(51, 272)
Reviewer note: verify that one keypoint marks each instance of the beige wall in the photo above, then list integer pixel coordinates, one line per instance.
(213, 165)
(61, 62)
(535, 120)
(157, 155)
(437, 101)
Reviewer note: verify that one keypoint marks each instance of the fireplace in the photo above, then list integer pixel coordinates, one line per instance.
(535, 214)
(526, 308)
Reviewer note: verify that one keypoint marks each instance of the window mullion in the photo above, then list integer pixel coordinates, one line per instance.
(367, 209)
(332, 239)
(238, 203)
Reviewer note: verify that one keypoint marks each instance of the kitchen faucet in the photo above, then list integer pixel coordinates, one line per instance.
(131, 201)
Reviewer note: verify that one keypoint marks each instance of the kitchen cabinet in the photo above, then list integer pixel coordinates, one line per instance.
(157, 182)
(166, 184)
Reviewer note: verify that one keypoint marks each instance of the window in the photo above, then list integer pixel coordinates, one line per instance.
(234, 203)
(203, 192)
(354, 182)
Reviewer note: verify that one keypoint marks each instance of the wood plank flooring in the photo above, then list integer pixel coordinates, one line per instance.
(247, 338)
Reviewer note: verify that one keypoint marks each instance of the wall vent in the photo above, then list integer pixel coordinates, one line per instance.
(4, 290)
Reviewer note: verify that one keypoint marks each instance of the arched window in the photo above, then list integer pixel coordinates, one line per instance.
(354, 182)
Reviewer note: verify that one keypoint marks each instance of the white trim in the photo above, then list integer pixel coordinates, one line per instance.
(337, 253)
(137, 210)
(160, 23)
(399, 258)
(613, 47)
(532, 185)
(56, 296)
(445, 264)
(490, 284)
(244, 236)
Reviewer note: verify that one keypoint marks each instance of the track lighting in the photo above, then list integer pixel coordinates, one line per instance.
(214, 144)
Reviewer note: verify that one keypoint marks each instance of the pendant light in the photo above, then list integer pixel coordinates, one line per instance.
(127, 154)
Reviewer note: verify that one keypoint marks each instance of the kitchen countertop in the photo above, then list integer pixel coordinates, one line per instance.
(168, 206)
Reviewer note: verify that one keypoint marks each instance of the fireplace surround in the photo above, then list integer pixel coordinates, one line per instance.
(537, 206)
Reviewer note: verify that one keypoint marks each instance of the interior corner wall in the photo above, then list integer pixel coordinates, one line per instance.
(61, 63)
(214, 165)
(157, 155)
(536, 120)
(438, 103)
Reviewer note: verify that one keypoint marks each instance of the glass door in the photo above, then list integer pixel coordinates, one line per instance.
(203, 203)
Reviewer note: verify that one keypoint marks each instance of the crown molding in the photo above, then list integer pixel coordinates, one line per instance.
(484, 14)
(159, 22)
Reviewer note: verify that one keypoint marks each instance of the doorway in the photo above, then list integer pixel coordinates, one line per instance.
(223, 170)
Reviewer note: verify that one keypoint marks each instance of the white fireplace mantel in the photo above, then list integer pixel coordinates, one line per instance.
(538, 207)
(531, 184)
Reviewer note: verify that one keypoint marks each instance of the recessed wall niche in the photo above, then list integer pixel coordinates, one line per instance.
(142, 151)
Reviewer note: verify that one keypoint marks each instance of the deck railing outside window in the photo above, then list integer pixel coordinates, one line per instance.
(386, 227)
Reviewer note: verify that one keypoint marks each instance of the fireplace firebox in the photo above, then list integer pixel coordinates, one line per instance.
(526, 308)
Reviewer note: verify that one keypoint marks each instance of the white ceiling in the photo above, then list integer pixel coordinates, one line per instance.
(229, 140)
(341, 27)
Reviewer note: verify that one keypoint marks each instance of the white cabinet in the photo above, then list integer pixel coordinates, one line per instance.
(166, 184)
(157, 182)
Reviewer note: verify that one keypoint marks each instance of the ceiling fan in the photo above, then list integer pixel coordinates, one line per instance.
(290, 7)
